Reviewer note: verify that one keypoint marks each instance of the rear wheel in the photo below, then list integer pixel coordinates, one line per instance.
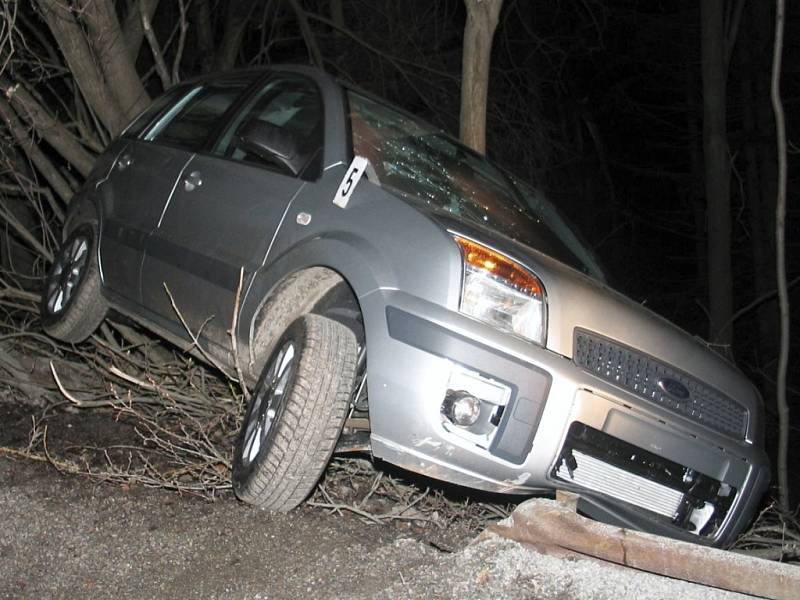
(72, 306)
(296, 414)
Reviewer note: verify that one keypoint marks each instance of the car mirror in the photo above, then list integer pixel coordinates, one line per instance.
(272, 143)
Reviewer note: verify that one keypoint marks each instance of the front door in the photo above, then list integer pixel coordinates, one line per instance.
(225, 212)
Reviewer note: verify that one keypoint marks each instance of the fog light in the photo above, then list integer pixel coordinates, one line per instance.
(461, 408)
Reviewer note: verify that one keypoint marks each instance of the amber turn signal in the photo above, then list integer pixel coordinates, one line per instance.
(500, 266)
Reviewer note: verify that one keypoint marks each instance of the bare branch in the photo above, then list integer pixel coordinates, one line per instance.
(132, 27)
(158, 55)
(184, 27)
(52, 130)
(34, 153)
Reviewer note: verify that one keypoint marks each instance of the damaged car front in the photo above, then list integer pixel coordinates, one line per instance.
(505, 362)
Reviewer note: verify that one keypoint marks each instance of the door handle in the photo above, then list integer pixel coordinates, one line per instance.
(124, 162)
(192, 180)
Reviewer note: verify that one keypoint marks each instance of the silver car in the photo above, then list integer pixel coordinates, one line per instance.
(395, 291)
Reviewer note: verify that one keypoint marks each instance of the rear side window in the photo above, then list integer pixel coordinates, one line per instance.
(193, 118)
(138, 125)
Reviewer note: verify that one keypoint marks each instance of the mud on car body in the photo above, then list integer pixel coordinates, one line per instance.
(398, 285)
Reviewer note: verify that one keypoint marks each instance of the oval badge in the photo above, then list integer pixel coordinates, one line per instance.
(674, 388)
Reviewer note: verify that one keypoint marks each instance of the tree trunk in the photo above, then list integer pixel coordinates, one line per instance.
(132, 27)
(482, 16)
(780, 250)
(337, 16)
(71, 41)
(119, 70)
(238, 14)
(314, 55)
(204, 33)
(717, 172)
(758, 208)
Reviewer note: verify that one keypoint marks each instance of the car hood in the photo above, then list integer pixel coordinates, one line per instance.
(577, 301)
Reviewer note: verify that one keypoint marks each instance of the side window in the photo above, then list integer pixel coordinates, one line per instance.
(190, 122)
(289, 102)
(138, 125)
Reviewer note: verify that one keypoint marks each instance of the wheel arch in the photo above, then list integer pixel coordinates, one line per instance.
(82, 209)
(289, 289)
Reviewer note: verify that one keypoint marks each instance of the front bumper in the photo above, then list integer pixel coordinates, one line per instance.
(410, 361)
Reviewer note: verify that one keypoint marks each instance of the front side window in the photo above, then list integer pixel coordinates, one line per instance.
(419, 162)
(289, 102)
(192, 119)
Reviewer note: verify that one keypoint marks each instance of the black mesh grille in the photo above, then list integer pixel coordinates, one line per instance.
(640, 374)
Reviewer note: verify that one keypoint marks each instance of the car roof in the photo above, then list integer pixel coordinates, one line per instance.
(313, 72)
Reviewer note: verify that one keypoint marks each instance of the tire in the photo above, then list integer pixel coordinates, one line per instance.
(72, 305)
(296, 414)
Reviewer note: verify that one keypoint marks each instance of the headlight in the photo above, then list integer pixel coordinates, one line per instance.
(502, 293)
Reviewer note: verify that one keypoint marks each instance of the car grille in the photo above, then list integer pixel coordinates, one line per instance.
(640, 374)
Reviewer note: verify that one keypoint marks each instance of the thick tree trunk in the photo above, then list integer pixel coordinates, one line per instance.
(81, 62)
(204, 33)
(115, 60)
(717, 172)
(482, 16)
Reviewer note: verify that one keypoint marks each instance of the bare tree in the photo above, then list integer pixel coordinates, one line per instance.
(482, 16)
(780, 249)
(717, 42)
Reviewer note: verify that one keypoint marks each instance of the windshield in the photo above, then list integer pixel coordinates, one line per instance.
(421, 162)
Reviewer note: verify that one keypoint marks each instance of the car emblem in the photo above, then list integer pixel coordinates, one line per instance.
(674, 388)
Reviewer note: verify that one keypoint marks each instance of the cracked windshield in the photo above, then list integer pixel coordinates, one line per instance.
(420, 162)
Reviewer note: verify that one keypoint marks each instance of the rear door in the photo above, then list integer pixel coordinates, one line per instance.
(225, 211)
(133, 197)
(146, 171)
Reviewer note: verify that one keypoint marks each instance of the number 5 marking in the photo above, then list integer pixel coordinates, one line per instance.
(351, 178)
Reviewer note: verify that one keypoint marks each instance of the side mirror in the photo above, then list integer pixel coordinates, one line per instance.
(272, 144)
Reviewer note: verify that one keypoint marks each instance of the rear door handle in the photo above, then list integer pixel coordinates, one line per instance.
(124, 162)
(192, 180)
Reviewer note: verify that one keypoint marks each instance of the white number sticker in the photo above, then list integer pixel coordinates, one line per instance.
(351, 179)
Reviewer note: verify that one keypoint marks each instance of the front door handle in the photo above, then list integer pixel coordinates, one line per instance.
(124, 162)
(192, 180)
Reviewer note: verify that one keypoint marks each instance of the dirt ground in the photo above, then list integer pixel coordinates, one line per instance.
(66, 536)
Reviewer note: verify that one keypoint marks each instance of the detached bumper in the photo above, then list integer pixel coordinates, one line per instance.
(712, 482)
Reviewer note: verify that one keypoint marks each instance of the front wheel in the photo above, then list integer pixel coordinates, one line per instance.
(296, 414)
(72, 306)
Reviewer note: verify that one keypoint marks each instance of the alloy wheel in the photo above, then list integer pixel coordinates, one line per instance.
(267, 401)
(66, 274)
